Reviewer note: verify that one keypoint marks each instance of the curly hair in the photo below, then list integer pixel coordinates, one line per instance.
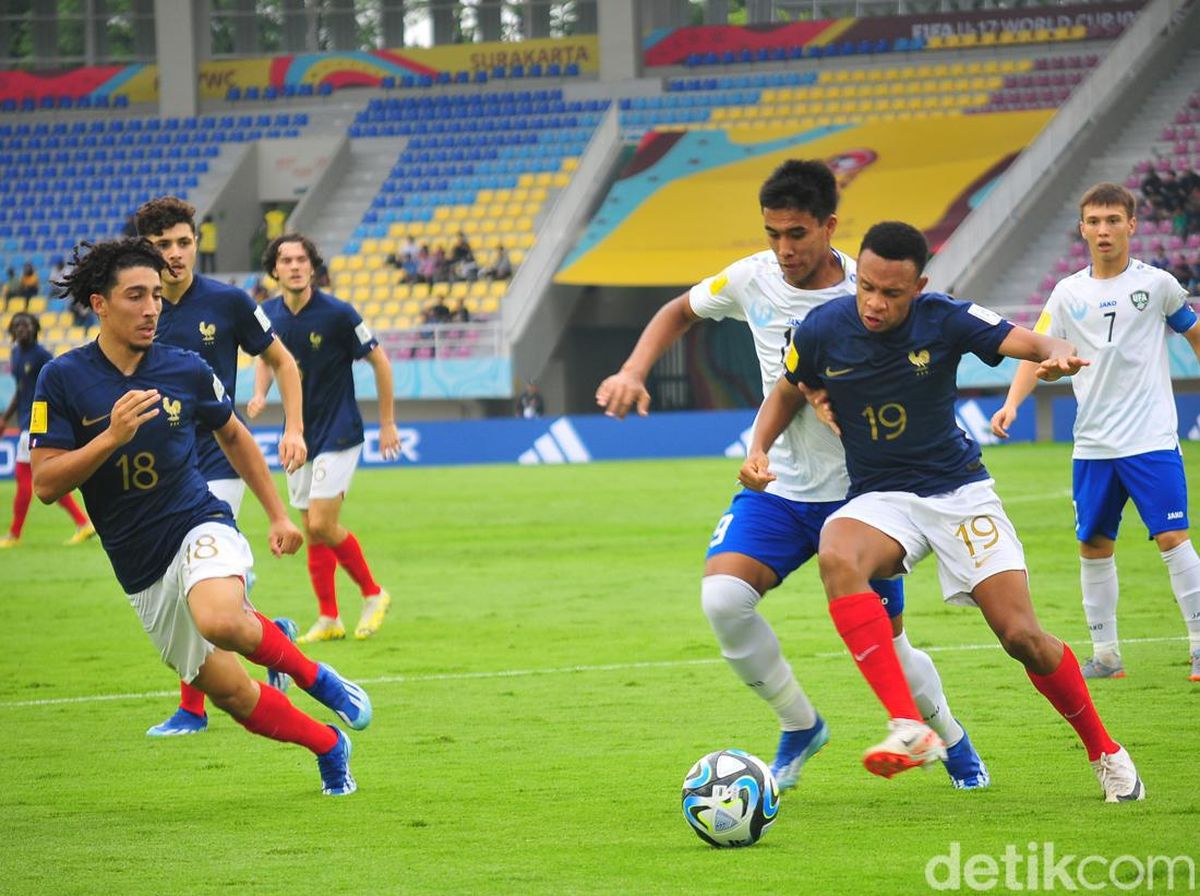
(95, 267)
(26, 316)
(159, 215)
(897, 241)
(271, 253)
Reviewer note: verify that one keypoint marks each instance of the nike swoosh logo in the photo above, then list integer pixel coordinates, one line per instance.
(92, 421)
(982, 560)
(859, 657)
(831, 373)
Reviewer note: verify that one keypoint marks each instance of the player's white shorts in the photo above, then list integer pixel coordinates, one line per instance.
(208, 551)
(23, 447)
(967, 529)
(327, 475)
(231, 491)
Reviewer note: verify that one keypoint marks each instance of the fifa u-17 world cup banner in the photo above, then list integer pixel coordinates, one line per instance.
(672, 46)
(337, 68)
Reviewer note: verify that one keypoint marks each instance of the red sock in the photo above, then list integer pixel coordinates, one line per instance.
(349, 554)
(24, 476)
(863, 624)
(191, 699)
(67, 503)
(322, 564)
(275, 717)
(1068, 693)
(275, 651)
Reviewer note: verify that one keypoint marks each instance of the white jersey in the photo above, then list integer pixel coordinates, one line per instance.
(807, 459)
(1121, 325)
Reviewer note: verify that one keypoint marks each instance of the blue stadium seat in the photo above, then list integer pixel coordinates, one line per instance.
(120, 101)
(325, 89)
(304, 89)
(233, 94)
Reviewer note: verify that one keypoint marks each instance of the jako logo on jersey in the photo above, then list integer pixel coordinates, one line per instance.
(1109, 303)
(314, 339)
(561, 445)
(208, 332)
(173, 409)
(1175, 515)
(920, 360)
(1140, 299)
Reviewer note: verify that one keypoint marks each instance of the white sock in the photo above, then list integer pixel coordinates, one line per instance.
(926, 686)
(750, 647)
(1098, 581)
(1183, 564)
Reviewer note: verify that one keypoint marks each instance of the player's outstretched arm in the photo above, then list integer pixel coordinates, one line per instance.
(784, 402)
(389, 436)
(262, 385)
(250, 465)
(57, 471)
(1054, 357)
(292, 450)
(626, 389)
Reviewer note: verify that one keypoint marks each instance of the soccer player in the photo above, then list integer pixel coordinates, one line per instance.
(1121, 310)
(886, 359)
(214, 319)
(28, 359)
(326, 336)
(118, 418)
(763, 537)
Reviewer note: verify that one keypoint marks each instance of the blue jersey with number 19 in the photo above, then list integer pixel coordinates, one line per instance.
(148, 493)
(893, 393)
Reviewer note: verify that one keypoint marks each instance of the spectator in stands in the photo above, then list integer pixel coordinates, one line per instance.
(12, 285)
(1181, 270)
(441, 266)
(208, 245)
(1160, 259)
(460, 314)
(1191, 208)
(1170, 195)
(1193, 284)
(1151, 186)
(529, 402)
(437, 312)
(425, 265)
(29, 286)
(408, 250)
(501, 266)
(462, 261)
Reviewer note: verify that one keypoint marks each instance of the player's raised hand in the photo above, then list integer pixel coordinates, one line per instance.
(284, 538)
(621, 392)
(255, 405)
(389, 441)
(1002, 420)
(1056, 368)
(130, 411)
(819, 399)
(755, 472)
(292, 450)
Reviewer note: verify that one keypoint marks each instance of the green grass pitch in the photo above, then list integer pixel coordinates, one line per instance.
(542, 684)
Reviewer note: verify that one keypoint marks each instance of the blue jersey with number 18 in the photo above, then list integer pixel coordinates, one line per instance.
(893, 393)
(148, 493)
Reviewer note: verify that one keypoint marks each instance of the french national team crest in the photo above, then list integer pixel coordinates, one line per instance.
(1140, 299)
(920, 360)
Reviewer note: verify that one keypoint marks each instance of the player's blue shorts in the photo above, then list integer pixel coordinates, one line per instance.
(1155, 480)
(782, 535)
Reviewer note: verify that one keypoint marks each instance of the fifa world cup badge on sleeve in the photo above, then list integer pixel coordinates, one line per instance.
(39, 418)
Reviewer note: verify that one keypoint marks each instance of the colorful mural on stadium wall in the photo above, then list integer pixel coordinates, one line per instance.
(684, 206)
(673, 46)
(140, 82)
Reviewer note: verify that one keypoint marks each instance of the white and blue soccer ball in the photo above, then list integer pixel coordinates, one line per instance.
(730, 798)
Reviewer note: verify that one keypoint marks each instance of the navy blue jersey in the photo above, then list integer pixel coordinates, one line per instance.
(147, 495)
(27, 363)
(893, 393)
(214, 319)
(326, 337)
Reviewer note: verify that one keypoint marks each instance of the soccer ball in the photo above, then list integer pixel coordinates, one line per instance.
(730, 798)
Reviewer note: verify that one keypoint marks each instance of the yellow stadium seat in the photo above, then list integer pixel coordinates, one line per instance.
(952, 41)
(36, 305)
(988, 39)
(53, 334)
(441, 213)
(560, 179)
(401, 291)
(381, 276)
(483, 197)
(525, 180)
(502, 196)
(341, 282)
(369, 247)
(967, 41)
(1008, 37)
(458, 212)
(471, 225)
(544, 179)
(371, 308)
(374, 261)
(1077, 32)
(399, 231)
(472, 304)
(381, 293)
(337, 264)
(479, 288)
(935, 42)
(524, 240)
(355, 263)
(1042, 36)
(538, 194)
(459, 290)
(361, 278)
(517, 256)
(524, 225)
(491, 304)
(411, 307)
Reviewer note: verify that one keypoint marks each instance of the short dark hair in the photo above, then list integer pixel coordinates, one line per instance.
(271, 253)
(95, 267)
(1107, 194)
(161, 214)
(26, 316)
(804, 185)
(897, 241)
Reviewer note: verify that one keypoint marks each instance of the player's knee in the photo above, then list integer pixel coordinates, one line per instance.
(1022, 641)
(837, 562)
(727, 600)
(229, 631)
(322, 531)
(237, 698)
